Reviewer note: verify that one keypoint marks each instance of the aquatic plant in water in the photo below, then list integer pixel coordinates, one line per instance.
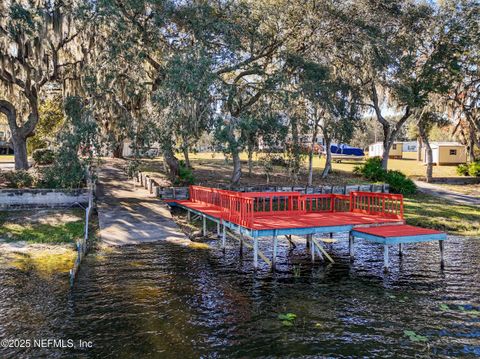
(414, 337)
(287, 319)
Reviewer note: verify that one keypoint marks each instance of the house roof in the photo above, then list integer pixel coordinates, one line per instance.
(443, 144)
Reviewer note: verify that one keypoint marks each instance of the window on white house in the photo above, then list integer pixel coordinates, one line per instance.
(394, 147)
(453, 152)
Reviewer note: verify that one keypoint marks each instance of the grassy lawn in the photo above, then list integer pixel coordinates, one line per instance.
(212, 168)
(432, 212)
(42, 226)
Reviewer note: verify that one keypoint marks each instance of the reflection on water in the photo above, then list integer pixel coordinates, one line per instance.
(166, 301)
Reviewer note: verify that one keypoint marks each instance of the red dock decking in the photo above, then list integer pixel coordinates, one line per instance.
(267, 211)
(299, 220)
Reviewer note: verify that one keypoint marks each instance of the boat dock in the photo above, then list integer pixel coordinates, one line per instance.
(375, 217)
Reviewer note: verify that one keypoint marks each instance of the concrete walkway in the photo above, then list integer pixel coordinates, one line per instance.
(454, 197)
(131, 216)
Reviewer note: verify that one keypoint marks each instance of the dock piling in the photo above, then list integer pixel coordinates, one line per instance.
(400, 250)
(218, 230)
(350, 246)
(274, 255)
(204, 227)
(241, 243)
(308, 242)
(312, 248)
(442, 262)
(255, 252)
(224, 235)
(385, 258)
(189, 216)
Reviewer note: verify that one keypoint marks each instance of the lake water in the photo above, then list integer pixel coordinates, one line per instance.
(169, 301)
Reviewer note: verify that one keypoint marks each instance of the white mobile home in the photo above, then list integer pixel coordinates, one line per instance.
(376, 150)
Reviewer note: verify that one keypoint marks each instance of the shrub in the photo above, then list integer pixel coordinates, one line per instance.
(185, 175)
(371, 169)
(278, 160)
(399, 183)
(462, 170)
(474, 169)
(43, 156)
(19, 179)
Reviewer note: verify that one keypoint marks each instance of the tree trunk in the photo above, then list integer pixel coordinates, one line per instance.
(20, 152)
(471, 146)
(250, 160)
(237, 168)
(186, 156)
(20, 134)
(328, 158)
(428, 156)
(118, 150)
(311, 154)
(172, 162)
(295, 150)
(387, 144)
(419, 148)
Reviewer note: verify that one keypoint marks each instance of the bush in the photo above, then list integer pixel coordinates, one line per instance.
(185, 175)
(19, 179)
(462, 170)
(278, 160)
(43, 156)
(399, 183)
(474, 169)
(371, 169)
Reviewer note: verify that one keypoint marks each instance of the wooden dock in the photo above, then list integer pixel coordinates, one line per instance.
(375, 217)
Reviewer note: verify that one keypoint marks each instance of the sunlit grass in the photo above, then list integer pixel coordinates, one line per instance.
(433, 212)
(42, 233)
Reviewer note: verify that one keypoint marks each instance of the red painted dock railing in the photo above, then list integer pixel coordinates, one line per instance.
(243, 207)
(382, 204)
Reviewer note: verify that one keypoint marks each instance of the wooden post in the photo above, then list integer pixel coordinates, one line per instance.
(189, 216)
(241, 243)
(308, 242)
(218, 230)
(331, 235)
(274, 256)
(400, 250)
(224, 237)
(350, 246)
(255, 252)
(312, 248)
(442, 262)
(385, 258)
(204, 227)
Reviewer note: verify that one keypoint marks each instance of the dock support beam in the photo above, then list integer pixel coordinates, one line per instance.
(350, 246)
(255, 252)
(308, 241)
(312, 248)
(204, 227)
(224, 236)
(400, 250)
(442, 262)
(274, 255)
(218, 230)
(241, 243)
(189, 216)
(385, 258)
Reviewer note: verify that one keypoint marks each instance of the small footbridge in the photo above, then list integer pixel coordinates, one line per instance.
(253, 216)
